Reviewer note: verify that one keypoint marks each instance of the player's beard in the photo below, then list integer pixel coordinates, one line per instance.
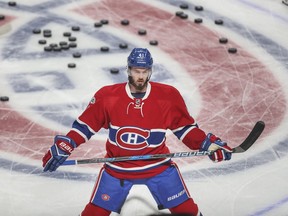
(139, 87)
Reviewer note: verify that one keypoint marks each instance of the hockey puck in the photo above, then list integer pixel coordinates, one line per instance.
(123, 46)
(104, 21)
(183, 16)
(72, 45)
(4, 98)
(67, 34)
(198, 8)
(219, 22)
(153, 42)
(47, 35)
(223, 40)
(65, 47)
(63, 43)
(71, 65)
(47, 31)
(104, 49)
(72, 39)
(36, 31)
(12, 3)
(142, 32)
(42, 42)
(232, 50)
(125, 22)
(75, 28)
(48, 48)
(53, 45)
(114, 70)
(184, 6)
(2, 17)
(198, 20)
(178, 13)
(56, 49)
(77, 55)
(98, 24)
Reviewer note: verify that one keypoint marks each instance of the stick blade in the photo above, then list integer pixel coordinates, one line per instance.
(251, 138)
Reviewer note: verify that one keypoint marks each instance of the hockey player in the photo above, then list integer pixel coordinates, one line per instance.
(138, 114)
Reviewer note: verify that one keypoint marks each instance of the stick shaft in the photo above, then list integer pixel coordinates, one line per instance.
(244, 146)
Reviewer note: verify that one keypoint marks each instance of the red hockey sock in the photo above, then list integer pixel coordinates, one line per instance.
(93, 210)
(187, 207)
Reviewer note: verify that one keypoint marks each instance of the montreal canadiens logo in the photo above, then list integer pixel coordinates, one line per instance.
(132, 138)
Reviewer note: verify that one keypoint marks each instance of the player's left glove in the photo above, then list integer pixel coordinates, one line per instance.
(58, 153)
(221, 151)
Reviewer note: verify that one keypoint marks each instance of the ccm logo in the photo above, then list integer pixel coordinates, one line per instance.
(132, 138)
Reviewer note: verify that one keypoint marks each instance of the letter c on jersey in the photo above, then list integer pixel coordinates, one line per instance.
(132, 138)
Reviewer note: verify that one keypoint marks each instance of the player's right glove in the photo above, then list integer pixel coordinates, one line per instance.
(58, 153)
(221, 151)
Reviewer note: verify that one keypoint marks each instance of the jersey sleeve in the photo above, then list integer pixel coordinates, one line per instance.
(91, 120)
(183, 125)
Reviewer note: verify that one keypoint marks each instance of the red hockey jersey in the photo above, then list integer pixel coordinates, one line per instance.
(137, 126)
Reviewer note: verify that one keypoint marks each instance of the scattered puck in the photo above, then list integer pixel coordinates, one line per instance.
(153, 42)
(114, 70)
(47, 31)
(42, 41)
(184, 6)
(198, 8)
(223, 40)
(125, 22)
(75, 28)
(98, 24)
(72, 38)
(123, 45)
(67, 34)
(72, 45)
(65, 47)
(4, 98)
(36, 31)
(219, 22)
(56, 48)
(232, 50)
(48, 48)
(2, 17)
(53, 45)
(77, 55)
(71, 65)
(183, 16)
(12, 3)
(63, 43)
(104, 49)
(47, 34)
(104, 21)
(178, 13)
(198, 20)
(142, 32)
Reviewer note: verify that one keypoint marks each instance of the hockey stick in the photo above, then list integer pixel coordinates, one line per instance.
(244, 146)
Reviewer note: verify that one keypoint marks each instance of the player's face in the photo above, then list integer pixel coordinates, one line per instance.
(138, 79)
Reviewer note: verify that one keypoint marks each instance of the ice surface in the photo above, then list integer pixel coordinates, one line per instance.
(226, 93)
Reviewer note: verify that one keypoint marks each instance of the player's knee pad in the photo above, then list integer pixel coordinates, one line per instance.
(93, 210)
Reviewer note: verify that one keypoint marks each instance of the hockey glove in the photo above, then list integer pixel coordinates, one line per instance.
(220, 150)
(58, 153)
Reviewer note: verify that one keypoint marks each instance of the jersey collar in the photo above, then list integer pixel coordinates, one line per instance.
(148, 90)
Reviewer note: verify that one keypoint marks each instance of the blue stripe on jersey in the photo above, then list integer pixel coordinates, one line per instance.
(155, 137)
(179, 133)
(83, 129)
